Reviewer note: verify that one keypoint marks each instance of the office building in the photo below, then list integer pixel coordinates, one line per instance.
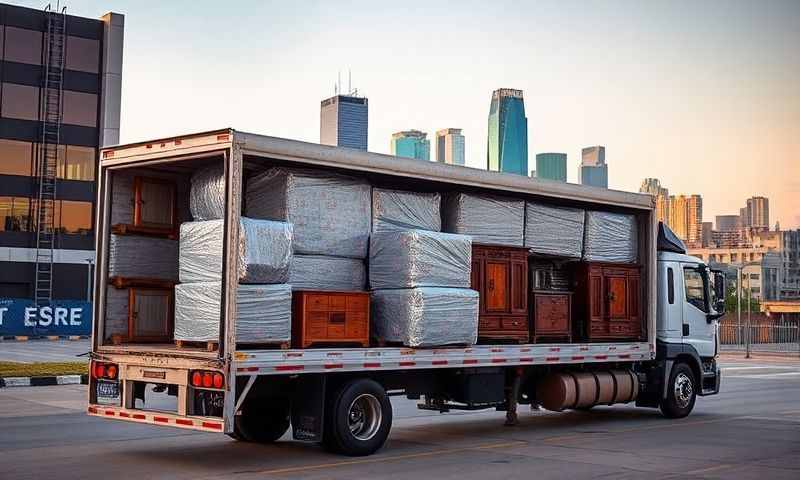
(49, 261)
(654, 188)
(551, 166)
(508, 133)
(593, 169)
(343, 121)
(727, 223)
(411, 144)
(758, 211)
(450, 146)
(686, 218)
(706, 234)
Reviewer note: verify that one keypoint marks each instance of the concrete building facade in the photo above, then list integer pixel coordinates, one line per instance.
(653, 187)
(450, 146)
(686, 218)
(344, 121)
(89, 119)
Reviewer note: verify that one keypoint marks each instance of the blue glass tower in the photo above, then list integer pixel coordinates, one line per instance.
(344, 121)
(552, 166)
(411, 144)
(508, 133)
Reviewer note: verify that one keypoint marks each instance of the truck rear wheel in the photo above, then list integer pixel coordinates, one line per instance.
(359, 418)
(681, 392)
(261, 423)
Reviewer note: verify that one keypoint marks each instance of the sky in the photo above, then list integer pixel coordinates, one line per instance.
(704, 95)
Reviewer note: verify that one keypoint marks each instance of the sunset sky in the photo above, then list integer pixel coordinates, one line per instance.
(702, 95)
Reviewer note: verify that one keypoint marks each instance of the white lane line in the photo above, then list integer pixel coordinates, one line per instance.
(765, 375)
(771, 367)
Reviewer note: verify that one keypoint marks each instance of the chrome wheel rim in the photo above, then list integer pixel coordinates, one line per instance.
(364, 416)
(683, 390)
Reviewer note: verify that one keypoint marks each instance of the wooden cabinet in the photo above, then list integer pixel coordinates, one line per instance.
(330, 318)
(608, 301)
(551, 317)
(155, 210)
(150, 314)
(500, 275)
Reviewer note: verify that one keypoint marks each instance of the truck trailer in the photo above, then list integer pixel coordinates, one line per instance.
(339, 394)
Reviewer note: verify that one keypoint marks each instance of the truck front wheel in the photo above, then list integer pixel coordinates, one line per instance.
(261, 423)
(681, 392)
(359, 418)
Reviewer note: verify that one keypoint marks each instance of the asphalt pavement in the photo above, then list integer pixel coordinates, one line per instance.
(750, 430)
(44, 351)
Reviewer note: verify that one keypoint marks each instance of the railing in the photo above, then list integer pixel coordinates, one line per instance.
(763, 337)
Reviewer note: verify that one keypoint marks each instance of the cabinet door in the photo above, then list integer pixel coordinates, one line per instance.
(497, 277)
(616, 297)
(149, 315)
(519, 287)
(475, 281)
(154, 203)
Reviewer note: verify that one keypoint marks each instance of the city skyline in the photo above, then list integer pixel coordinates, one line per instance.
(684, 115)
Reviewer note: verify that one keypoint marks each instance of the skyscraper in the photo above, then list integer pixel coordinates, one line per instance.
(508, 133)
(411, 144)
(727, 223)
(593, 169)
(654, 188)
(343, 121)
(552, 166)
(686, 218)
(758, 211)
(450, 146)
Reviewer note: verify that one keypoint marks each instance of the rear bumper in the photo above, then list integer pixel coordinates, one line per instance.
(204, 424)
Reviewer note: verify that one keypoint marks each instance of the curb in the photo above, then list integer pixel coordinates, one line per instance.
(44, 381)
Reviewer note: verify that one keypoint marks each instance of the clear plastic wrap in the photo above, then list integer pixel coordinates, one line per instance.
(394, 210)
(330, 213)
(426, 316)
(554, 230)
(610, 237)
(263, 312)
(143, 257)
(319, 272)
(265, 251)
(419, 258)
(116, 322)
(207, 193)
(488, 219)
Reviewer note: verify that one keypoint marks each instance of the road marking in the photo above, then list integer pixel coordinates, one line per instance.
(766, 367)
(709, 469)
(488, 446)
(773, 419)
(766, 375)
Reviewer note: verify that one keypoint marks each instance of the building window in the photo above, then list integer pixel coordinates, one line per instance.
(20, 101)
(23, 46)
(15, 157)
(83, 54)
(76, 217)
(754, 276)
(14, 214)
(80, 108)
(80, 163)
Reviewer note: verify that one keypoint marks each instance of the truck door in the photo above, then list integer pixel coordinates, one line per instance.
(697, 331)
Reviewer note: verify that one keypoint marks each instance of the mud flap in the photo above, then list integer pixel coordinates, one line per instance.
(308, 408)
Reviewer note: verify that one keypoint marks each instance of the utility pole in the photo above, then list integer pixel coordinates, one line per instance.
(739, 298)
(749, 326)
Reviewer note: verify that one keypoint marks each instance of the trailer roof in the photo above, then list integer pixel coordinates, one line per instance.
(346, 158)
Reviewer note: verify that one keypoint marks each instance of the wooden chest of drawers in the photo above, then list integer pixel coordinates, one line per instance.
(551, 316)
(608, 305)
(330, 318)
(500, 275)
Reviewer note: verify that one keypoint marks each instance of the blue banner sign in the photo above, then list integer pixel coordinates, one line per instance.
(19, 316)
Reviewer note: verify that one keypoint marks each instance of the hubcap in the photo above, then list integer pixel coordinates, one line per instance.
(683, 390)
(364, 416)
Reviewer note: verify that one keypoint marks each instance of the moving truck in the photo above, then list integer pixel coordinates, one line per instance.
(340, 395)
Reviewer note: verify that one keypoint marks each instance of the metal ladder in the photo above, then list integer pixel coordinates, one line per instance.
(50, 114)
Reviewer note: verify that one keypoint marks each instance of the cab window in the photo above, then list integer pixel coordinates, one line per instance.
(695, 288)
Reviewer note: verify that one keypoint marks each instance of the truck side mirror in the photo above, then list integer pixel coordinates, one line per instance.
(719, 292)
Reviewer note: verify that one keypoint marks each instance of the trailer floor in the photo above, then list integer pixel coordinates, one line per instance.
(750, 430)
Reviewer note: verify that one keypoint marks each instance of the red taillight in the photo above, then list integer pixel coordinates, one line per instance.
(105, 371)
(206, 379)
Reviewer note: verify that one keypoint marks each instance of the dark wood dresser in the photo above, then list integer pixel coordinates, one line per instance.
(330, 318)
(551, 315)
(608, 301)
(500, 275)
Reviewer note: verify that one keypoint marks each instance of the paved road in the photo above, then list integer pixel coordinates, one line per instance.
(44, 351)
(751, 430)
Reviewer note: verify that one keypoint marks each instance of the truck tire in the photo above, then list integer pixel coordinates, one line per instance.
(681, 392)
(358, 419)
(260, 423)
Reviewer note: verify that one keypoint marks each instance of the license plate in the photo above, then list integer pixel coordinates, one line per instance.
(107, 392)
